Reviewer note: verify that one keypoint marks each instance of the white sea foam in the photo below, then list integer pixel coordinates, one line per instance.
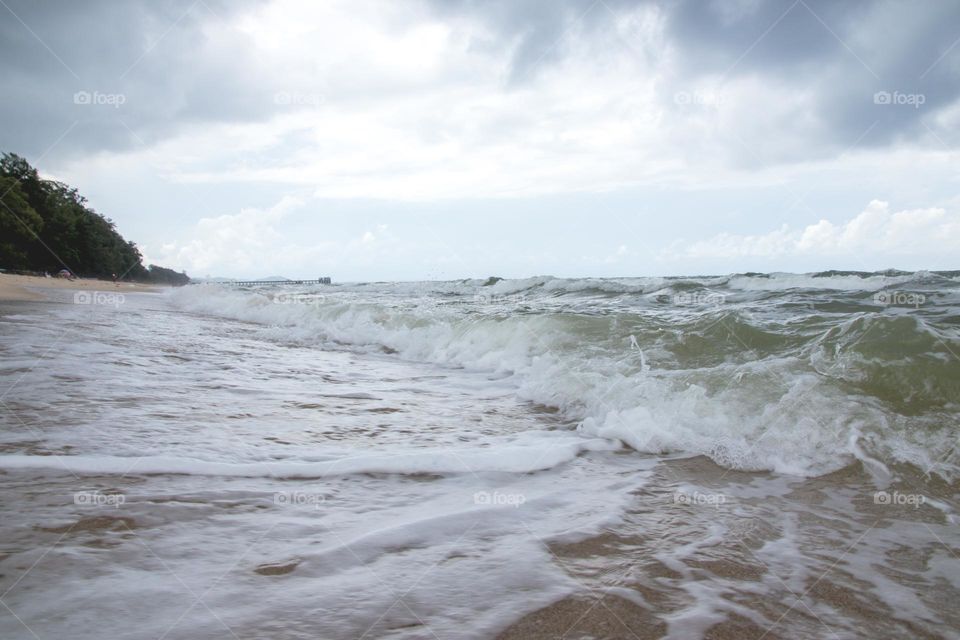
(785, 281)
(769, 414)
(544, 453)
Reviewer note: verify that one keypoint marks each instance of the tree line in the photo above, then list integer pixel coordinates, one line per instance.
(47, 226)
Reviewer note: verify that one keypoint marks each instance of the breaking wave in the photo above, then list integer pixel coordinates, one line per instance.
(800, 374)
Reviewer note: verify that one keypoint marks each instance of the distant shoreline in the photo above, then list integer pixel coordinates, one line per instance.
(14, 287)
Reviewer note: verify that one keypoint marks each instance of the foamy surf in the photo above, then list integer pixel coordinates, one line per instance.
(503, 459)
(677, 457)
(743, 369)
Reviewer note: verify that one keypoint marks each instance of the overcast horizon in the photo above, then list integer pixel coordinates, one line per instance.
(444, 140)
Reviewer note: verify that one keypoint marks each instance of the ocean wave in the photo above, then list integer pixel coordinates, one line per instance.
(551, 285)
(788, 281)
(802, 395)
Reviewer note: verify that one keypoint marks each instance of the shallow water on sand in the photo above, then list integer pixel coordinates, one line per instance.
(200, 466)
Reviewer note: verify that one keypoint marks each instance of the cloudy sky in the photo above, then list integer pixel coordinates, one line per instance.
(440, 139)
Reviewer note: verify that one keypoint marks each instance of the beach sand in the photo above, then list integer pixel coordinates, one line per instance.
(13, 287)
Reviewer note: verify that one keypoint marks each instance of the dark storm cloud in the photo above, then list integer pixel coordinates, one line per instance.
(844, 53)
(772, 36)
(537, 33)
(118, 74)
(851, 55)
(171, 71)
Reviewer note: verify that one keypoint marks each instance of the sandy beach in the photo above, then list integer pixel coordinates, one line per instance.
(14, 287)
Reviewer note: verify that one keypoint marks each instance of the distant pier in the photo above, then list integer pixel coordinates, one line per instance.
(256, 283)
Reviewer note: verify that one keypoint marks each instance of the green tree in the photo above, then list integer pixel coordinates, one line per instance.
(20, 225)
(47, 225)
(162, 275)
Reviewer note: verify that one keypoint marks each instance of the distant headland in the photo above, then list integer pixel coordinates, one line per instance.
(46, 227)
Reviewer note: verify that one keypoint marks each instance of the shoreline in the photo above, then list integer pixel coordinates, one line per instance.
(21, 288)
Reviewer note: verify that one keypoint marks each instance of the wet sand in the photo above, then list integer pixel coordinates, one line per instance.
(840, 572)
(14, 287)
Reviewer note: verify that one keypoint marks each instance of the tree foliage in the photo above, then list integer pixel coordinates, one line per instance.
(162, 275)
(20, 225)
(46, 225)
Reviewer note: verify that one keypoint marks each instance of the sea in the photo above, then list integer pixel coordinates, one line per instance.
(741, 456)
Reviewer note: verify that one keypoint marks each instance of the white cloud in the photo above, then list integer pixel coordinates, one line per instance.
(618, 255)
(257, 242)
(875, 230)
(573, 129)
(236, 241)
(401, 104)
